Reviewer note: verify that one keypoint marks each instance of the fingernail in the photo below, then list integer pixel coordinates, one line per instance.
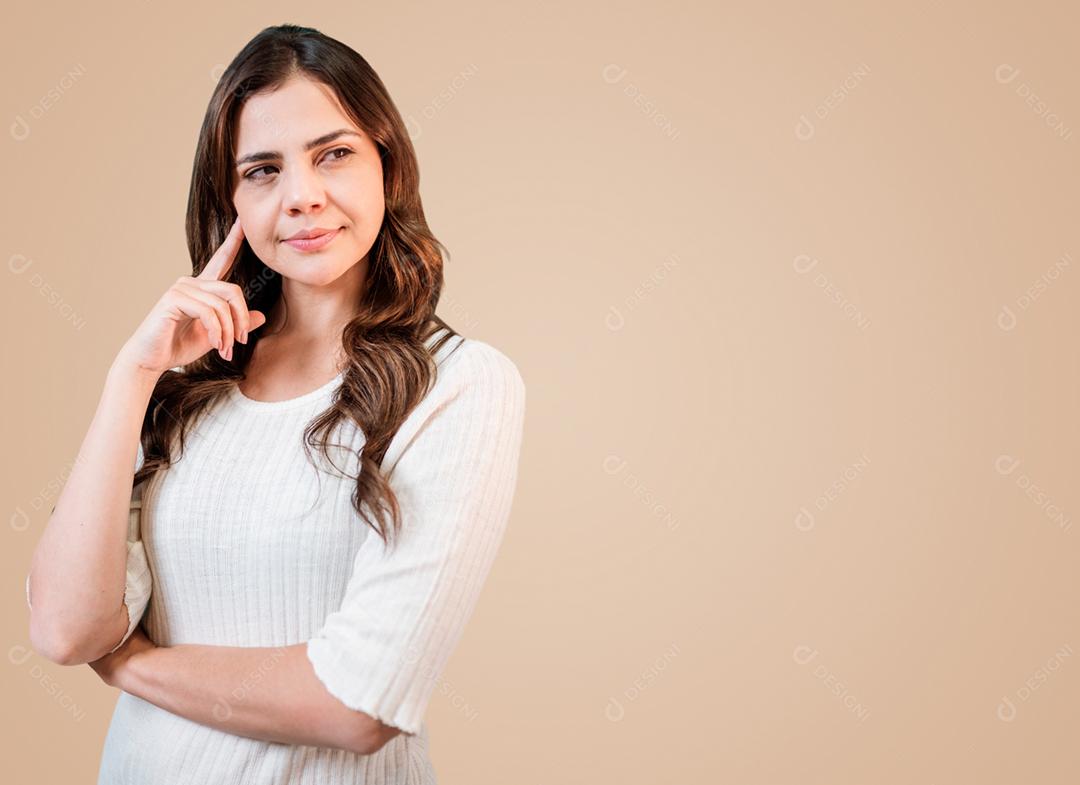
(243, 336)
(228, 354)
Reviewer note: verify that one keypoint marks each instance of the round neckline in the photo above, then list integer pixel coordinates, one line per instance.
(326, 390)
(238, 397)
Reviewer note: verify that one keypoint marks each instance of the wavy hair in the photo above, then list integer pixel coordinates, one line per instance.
(389, 364)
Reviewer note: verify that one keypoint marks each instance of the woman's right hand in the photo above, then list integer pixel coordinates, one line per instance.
(196, 314)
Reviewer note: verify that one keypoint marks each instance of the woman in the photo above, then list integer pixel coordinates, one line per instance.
(323, 468)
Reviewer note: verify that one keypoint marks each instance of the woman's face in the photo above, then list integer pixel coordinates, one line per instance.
(294, 172)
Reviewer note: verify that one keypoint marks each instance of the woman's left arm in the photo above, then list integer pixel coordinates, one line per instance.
(270, 693)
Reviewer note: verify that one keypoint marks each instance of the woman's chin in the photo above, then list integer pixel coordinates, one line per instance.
(311, 272)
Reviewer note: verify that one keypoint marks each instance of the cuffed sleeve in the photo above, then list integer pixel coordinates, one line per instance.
(453, 467)
(138, 580)
(138, 577)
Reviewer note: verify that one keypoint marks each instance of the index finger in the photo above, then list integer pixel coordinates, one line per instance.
(222, 260)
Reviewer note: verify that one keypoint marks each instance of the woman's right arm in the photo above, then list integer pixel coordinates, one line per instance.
(78, 569)
(78, 572)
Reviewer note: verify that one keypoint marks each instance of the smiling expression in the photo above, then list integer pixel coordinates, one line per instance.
(303, 164)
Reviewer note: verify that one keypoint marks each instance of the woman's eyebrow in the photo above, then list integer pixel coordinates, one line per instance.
(273, 155)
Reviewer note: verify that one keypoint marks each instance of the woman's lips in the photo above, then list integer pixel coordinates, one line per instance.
(314, 243)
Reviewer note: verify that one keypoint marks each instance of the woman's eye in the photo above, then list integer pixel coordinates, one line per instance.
(251, 175)
(345, 150)
(329, 157)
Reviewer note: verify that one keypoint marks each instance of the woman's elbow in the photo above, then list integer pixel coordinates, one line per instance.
(371, 734)
(361, 733)
(379, 735)
(51, 645)
(65, 647)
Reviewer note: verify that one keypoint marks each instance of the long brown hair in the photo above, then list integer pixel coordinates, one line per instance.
(389, 366)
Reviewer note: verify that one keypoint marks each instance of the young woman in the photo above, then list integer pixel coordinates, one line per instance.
(323, 468)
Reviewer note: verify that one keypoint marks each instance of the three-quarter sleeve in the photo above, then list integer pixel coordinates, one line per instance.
(138, 577)
(453, 467)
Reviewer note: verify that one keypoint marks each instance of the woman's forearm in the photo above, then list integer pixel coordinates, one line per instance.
(271, 694)
(77, 572)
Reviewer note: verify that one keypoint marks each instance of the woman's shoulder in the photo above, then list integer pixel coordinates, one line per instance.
(471, 362)
(477, 387)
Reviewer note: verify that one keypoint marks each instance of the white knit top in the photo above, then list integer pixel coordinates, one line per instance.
(249, 545)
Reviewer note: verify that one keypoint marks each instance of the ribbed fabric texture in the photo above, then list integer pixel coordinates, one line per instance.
(248, 544)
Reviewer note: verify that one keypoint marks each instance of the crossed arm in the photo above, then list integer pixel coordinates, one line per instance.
(454, 481)
(267, 693)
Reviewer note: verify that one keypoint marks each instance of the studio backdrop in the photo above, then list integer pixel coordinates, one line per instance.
(792, 291)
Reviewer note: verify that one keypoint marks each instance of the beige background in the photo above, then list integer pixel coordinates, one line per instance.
(793, 290)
